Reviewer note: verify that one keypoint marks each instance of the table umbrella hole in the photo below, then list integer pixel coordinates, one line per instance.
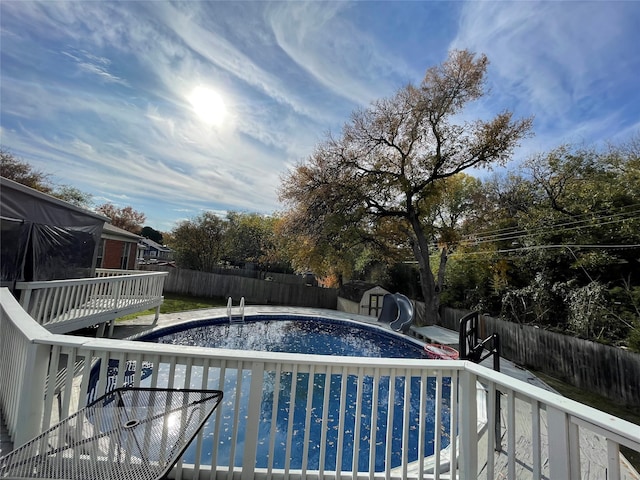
(131, 423)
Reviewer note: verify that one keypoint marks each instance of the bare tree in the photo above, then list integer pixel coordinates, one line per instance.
(392, 155)
(126, 217)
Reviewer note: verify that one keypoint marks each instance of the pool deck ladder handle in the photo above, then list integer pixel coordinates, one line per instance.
(237, 319)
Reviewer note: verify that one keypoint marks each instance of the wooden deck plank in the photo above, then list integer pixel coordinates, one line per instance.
(97, 312)
(435, 334)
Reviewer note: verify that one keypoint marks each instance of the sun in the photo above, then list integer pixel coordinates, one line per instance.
(208, 105)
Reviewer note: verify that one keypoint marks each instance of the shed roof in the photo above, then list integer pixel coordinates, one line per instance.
(355, 289)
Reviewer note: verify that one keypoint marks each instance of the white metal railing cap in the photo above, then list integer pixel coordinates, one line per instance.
(569, 407)
(258, 356)
(86, 281)
(27, 325)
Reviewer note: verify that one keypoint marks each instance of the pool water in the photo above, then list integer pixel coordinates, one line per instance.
(312, 336)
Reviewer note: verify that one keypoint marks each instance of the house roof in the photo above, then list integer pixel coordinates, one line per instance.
(155, 245)
(116, 233)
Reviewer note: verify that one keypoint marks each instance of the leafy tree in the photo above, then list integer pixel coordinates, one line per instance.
(74, 196)
(151, 234)
(563, 236)
(625, 307)
(583, 211)
(126, 217)
(249, 237)
(22, 172)
(392, 156)
(199, 243)
(471, 281)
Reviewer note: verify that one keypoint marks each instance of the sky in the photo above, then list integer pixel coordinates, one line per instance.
(180, 108)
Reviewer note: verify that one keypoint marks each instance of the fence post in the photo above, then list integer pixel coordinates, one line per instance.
(31, 393)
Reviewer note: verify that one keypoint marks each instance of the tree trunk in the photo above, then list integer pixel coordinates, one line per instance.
(430, 289)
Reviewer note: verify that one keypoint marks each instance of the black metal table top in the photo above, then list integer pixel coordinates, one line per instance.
(129, 433)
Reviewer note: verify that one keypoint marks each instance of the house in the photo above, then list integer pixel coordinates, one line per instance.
(45, 238)
(361, 298)
(118, 248)
(153, 252)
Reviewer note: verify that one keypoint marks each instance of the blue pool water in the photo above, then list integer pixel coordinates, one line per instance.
(313, 336)
(290, 334)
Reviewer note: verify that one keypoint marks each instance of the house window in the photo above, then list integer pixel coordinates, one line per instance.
(100, 258)
(124, 260)
(375, 303)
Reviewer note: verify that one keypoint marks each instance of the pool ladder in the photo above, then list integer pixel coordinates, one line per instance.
(237, 318)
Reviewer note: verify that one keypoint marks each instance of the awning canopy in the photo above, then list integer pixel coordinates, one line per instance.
(45, 238)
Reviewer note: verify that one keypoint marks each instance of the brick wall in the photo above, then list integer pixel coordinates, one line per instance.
(112, 256)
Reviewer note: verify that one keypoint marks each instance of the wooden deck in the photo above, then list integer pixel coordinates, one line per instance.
(63, 306)
(593, 452)
(435, 334)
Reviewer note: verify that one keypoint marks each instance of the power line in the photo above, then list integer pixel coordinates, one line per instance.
(546, 247)
(497, 234)
(566, 226)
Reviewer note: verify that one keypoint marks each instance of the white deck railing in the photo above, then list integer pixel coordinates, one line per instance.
(267, 409)
(62, 306)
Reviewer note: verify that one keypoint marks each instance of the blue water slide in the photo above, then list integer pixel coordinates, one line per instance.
(397, 311)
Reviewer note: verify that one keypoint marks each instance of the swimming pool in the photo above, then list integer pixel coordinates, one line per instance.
(293, 334)
(328, 418)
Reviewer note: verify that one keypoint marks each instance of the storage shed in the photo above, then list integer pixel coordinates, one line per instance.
(361, 298)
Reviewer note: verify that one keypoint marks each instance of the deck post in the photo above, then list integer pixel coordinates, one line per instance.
(560, 462)
(468, 425)
(31, 393)
(156, 316)
(25, 298)
(253, 421)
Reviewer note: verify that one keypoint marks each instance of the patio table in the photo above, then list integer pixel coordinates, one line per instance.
(128, 433)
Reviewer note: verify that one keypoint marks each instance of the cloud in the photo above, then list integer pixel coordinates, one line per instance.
(94, 65)
(572, 65)
(555, 59)
(333, 50)
(100, 89)
(217, 57)
(123, 135)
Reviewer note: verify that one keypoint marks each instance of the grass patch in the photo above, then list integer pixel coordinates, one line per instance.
(180, 303)
(631, 414)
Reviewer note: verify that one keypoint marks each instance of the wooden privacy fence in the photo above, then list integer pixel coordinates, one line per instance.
(269, 276)
(205, 284)
(611, 372)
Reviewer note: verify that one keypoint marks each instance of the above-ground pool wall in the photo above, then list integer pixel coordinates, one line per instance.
(256, 291)
(608, 371)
